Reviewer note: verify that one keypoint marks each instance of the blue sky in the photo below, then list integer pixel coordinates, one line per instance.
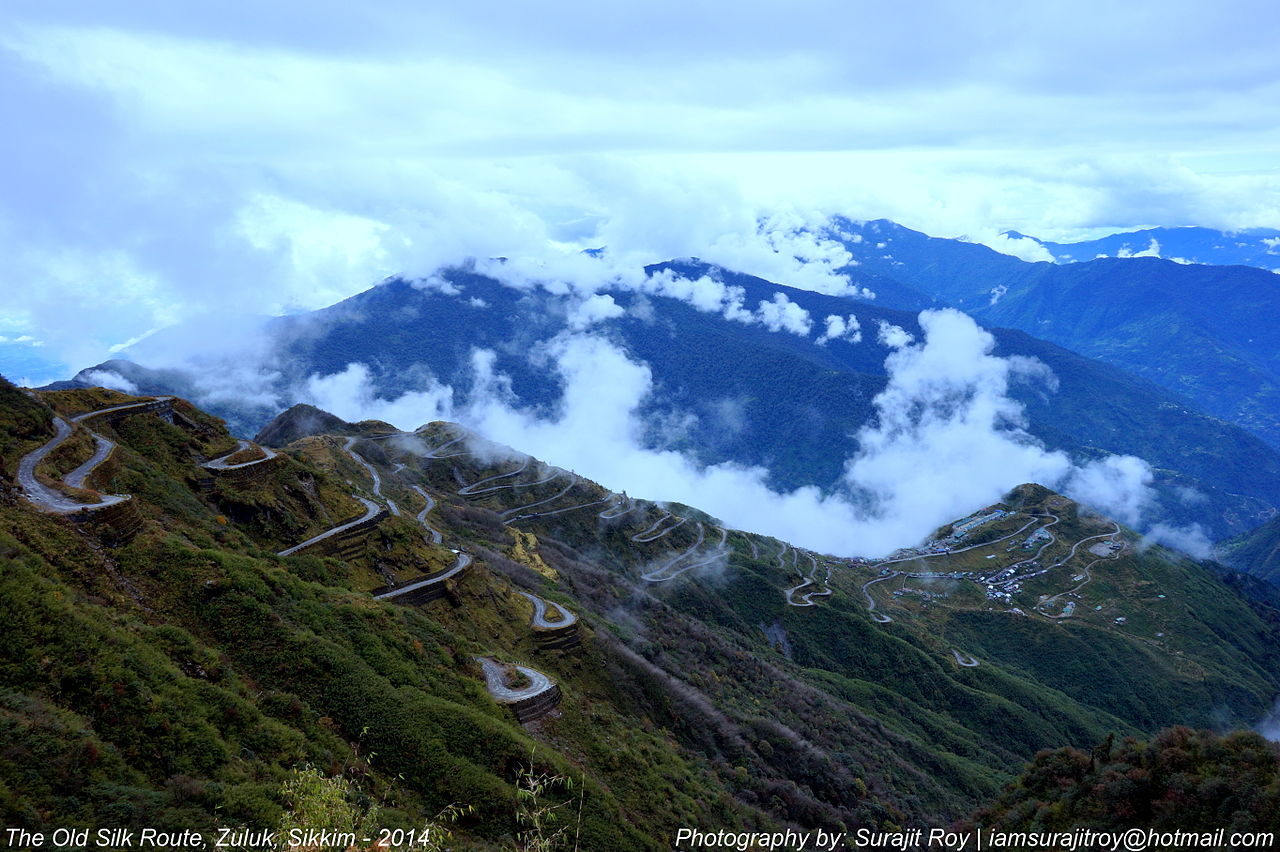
(167, 162)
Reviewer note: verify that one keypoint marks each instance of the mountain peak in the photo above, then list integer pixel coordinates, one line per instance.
(301, 421)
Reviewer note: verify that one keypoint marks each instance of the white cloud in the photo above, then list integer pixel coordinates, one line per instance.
(110, 379)
(947, 439)
(1024, 248)
(891, 335)
(593, 309)
(1152, 250)
(1191, 539)
(1120, 484)
(178, 167)
(782, 314)
(350, 395)
(841, 328)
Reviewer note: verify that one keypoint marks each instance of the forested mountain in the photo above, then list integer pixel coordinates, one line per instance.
(790, 402)
(1209, 333)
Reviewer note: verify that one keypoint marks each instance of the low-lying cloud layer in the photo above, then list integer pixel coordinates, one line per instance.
(178, 166)
(947, 439)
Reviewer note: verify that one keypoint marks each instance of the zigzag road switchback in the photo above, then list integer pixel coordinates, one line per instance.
(573, 480)
(573, 508)
(436, 537)
(871, 602)
(812, 579)
(377, 480)
(540, 613)
(220, 463)
(474, 487)
(610, 514)
(495, 682)
(649, 535)
(50, 499)
(661, 575)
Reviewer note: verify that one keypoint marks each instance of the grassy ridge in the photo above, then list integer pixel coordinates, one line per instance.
(179, 679)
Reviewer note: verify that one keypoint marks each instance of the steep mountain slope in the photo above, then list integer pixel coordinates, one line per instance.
(1193, 781)
(168, 667)
(740, 392)
(1257, 551)
(1209, 333)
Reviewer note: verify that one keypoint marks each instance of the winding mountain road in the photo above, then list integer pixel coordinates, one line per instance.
(102, 449)
(967, 660)
(871, 602)
(52, 500)
(436, 537)
(220, 463)
(611, 513)
(495, 682)
(459, 565)
(1086, 571)
(371, 509)
(349, 446)
(474, 488)
(884, 619)
(540, 620)
(811, 580)
(435, 453)
(560, 511)
(669, 570)
(511, 514)
(651, 534)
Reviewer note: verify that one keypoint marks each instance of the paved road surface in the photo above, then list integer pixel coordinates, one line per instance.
(371, 509)
(661, 575)
(1086, 571)
(458, 566)
(540, 613)
(807, 598)
(651, 533)
(50, 499)
(474, 488)
(871, 602)
(613, 512)
(377, 480)
(220, 463)
(503, 694)
(436, 538)
(435, 453)
(80, 418)
(102, 449)
(561, 511)
(519, 511)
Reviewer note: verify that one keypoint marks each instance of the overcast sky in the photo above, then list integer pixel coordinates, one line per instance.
(168, 160)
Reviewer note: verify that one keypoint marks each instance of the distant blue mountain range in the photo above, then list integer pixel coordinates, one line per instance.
(784, 401)
(1209, 333)
(1258, 247)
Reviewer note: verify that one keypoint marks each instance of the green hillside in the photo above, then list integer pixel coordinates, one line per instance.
(1257, 552)
(166, 668)
(1179, 780)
